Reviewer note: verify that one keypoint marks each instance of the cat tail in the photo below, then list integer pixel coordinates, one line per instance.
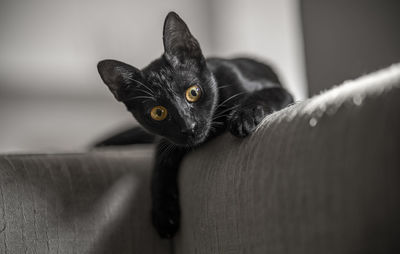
(135, 135)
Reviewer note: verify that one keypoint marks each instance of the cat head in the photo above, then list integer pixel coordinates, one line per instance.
(175, 95)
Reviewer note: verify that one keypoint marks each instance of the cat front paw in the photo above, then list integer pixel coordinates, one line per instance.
(244, 121)
(166, 219)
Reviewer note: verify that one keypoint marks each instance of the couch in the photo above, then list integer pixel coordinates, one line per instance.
(321, 176)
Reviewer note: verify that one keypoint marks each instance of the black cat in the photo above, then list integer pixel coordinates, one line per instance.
(186, 100)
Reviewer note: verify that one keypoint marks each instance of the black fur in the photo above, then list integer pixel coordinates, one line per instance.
(236, 95)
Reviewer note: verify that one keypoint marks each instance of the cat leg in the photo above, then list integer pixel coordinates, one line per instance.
(254, 107)
(164, 188)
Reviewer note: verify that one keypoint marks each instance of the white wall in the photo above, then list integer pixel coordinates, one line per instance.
(266, 29)
(53, 46)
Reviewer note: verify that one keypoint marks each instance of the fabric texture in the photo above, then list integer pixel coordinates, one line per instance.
(321, 176)
(97, 202)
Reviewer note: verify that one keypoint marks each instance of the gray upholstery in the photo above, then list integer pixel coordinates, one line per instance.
(321, 176)
(97, 202)
(327, 185)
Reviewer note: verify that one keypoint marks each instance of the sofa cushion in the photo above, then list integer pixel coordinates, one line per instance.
(97, 202)
(321, 176)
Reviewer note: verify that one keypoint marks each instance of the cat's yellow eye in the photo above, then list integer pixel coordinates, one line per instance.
(193, 93)
(158, 113)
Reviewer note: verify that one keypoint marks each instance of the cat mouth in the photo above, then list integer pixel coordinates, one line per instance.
(199, 137)
(191, 140)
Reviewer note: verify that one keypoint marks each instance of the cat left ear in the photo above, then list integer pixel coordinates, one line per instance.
(119, 77)
(179, 43)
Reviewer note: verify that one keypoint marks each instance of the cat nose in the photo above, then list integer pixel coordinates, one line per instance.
(189, 129)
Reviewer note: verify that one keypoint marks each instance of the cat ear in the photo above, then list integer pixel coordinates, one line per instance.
(119, 77)
(179, 43)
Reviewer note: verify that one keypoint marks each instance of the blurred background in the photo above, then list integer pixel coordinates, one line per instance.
(51, 96)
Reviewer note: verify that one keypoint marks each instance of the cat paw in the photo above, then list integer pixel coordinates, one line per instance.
(166, 220)
(244, 121)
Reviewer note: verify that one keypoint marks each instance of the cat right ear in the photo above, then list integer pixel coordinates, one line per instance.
(179, 43)
(119, 77)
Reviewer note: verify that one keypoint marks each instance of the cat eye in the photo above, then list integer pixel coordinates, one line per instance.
(193, 93)
(158, 113)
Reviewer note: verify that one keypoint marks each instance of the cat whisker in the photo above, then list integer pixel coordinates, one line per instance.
(227, 109)
(146, 92)
(217, 123)
(220, 87)
(230, 98)
(139, 97)
(222, 113)
(142, 84)
(215, 118)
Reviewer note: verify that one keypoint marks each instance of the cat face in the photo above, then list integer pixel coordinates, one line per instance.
(175, 95)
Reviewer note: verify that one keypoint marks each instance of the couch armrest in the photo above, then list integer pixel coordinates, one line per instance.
(321, 176)
(97, 202)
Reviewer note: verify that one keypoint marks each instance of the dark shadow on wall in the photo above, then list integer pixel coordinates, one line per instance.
(345, 39)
